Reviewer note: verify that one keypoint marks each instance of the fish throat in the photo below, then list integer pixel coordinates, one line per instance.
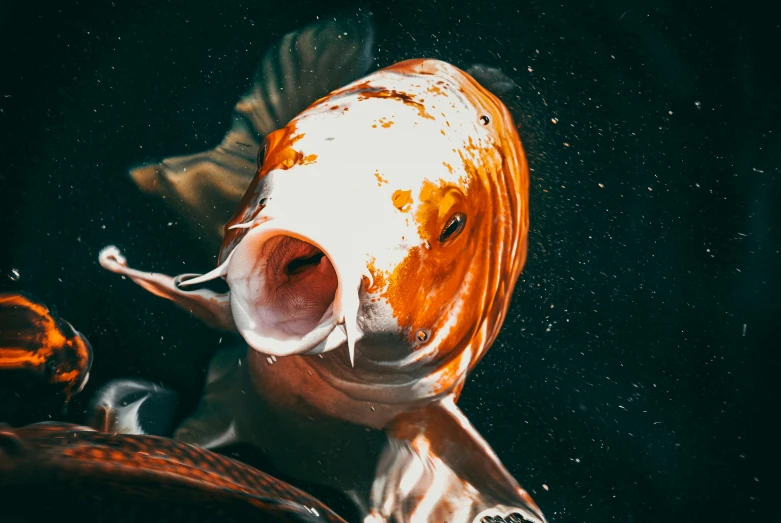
(293, 283)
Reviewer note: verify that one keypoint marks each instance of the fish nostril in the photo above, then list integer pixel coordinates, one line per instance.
(423, 335)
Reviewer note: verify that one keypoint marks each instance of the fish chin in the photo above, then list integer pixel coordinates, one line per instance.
(287, 294)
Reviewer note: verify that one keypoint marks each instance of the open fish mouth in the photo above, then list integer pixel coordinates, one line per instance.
(287, 296)
(290, 294)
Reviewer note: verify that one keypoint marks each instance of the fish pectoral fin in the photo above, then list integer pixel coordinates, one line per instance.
(211, 307)
(493, 79)
(226, 398)
(302, 67)
(437, 467)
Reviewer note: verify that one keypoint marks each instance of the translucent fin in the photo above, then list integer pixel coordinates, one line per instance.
(437, 467)
(303, 67)
(226, 396)
(131, 406)
(211, 307)
(492, 79)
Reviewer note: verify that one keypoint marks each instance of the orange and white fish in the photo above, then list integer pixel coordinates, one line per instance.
(370, 265)
(78, 472)
(41, 354)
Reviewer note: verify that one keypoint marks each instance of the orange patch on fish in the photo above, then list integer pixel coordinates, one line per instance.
(402, 200)
(378, 281)
(308, 159)
(32, 339)
(380, 179)
(396, 95)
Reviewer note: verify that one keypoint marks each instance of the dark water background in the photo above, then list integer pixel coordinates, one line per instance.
(636, 375)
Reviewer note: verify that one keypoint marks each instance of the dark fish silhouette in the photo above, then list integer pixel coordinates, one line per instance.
(40, 353)
(112, 477)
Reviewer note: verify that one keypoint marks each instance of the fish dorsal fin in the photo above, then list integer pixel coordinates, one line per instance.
(302, 67)
(493, 79)
(437, 467)
(305, 66)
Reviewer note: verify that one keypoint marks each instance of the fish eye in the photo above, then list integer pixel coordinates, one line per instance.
(51, 366)
(453, 227)
(485, 120)
(261, 156)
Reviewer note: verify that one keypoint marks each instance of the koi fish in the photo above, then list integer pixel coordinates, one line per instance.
(39, 351)
(115, 477)
(369, 265)
(132, 406)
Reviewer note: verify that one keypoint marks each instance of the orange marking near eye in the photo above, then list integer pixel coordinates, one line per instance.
(402, 200)
(308, 159)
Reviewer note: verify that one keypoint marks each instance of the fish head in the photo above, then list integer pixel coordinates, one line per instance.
(40, 347)
(390, 217)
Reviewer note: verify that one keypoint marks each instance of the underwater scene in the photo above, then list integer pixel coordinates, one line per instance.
(389, 262)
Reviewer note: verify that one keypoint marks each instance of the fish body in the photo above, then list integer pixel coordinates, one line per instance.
(370, 264)
(114, 477)
(40, 353)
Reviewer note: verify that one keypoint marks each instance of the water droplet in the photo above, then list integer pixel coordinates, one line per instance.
(14, 275)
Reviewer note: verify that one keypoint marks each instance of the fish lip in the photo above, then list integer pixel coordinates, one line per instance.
(324, 336)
